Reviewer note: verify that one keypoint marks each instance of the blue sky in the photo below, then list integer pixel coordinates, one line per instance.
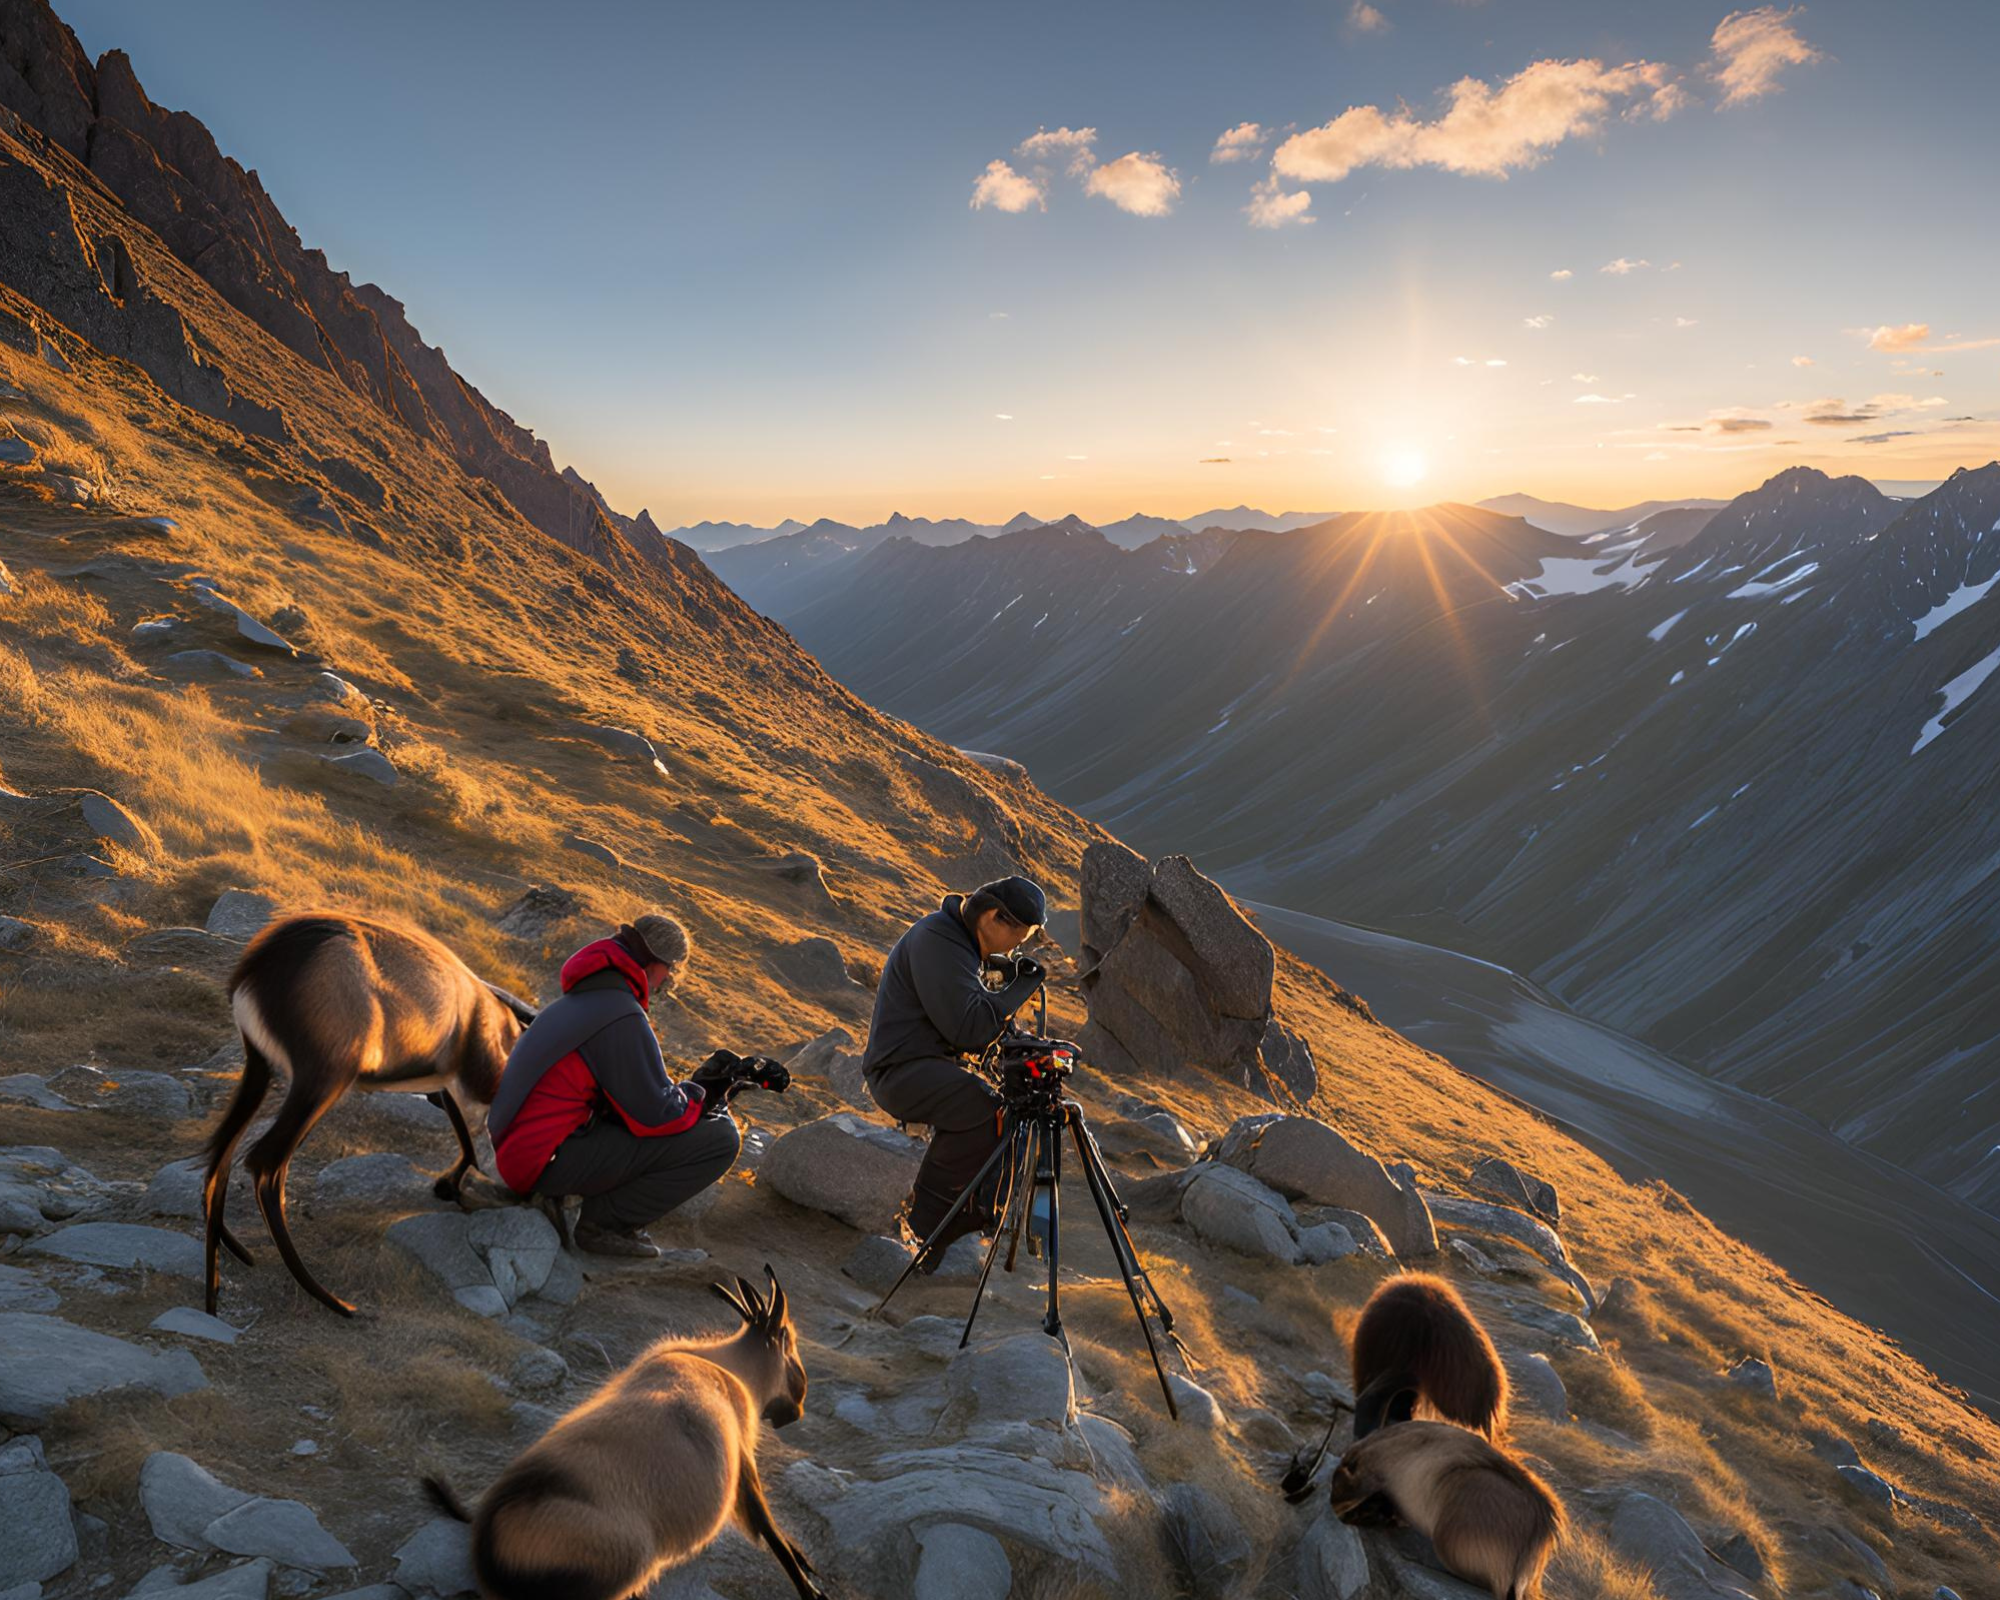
(725, 259)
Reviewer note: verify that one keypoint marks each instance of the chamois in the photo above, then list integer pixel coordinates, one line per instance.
(1491, 1520)
(644, 1474)
(1416, 1343)
(342, 1002)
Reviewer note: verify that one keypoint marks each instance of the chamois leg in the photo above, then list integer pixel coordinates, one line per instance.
(271, 1156)
(446, 1188)
(754, 1512)
(251, 1088)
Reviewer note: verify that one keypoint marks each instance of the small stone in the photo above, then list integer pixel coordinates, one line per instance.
(193, 1324)
(1755, 1374)
(538, 1369)
(195, 664)
(1868, 1485)
(876, 1262)
(181, 1498)
(256, 633)
(40, 1538)
(437, 1560)
(16, 452)
(1230, 1208)
(34, 1090)
(124, 1244)
(1326, 1241)
(16, 934)
(107, 819)
(1197, 1406)
(596, 849)
(1537, 1382)
(305, 1447)
(1332, 1561)
(367, 763)
(249, 1581)
(379, 1180)
(331, 686)
(240, 913)
(23, 1291)
(284, 1530)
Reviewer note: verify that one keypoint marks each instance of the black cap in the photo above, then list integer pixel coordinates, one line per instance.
(1022, 900)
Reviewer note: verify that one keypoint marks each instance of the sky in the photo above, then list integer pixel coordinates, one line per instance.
(753, 261)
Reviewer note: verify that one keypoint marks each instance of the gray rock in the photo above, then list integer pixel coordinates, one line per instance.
(147, 1094)
(23, 1291)
(438, 1241)
(1868, 1485)
(374, 1591)
(1476, 1216)
(181, 1498)
(1229, 1207)
(1024, 1377)
(40, 1538)
(39, 1185)
(1331, 1562)
(1304, 1159)
(240, 913)
(35, 1091)
(45, 1362)
(1198, 1408)
(106, 818)
(1538, 1383)
(519, 1246)
(1474, 1257)
(537, 1370)
(193, 665)
(123, 1244)
(539, 912)
(370, 1182)
(1562, 1326)
(283, 1530)
(193, 1324)
(815, 964)
(1288, 1058)
(936, 1337)
(849, 1168)
(1235, 958)
(367, 763)
(1754, 1374)
(876, 1262)
(437, 1560)
(1656, 1538)
(331, 686)
(175, 1190)
(254, 632)
(1111, 1451)
(1204, 1539)
(596, 849)
(1739, 1555)
(155, 630)
(955, 1562)
(1023, 1499)
(15, 452)
(1499, 1179)
(489, 1260)
(624, 742)
(832, 1056)
(1114, 885)
(1326, 1241)
(249, 1581)
(16, 934)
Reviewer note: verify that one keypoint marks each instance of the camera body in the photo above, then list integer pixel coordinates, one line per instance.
(1032, 1070)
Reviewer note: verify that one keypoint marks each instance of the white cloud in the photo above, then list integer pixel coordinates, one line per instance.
(1917, 336)
(1241, 143)
(1537, 322)
(1271, 207)
(1802, 361)
(1140, 184)
(1484, 131)
(1584, 377)
(1561, 275)
(1004, 189)
(1003, 416)
(1596, 400)
(1364, 18)
(1751, 49)
(1069, 145)
(1685, 322)
(1623, 266)
(1496, 362)
(1076, 458)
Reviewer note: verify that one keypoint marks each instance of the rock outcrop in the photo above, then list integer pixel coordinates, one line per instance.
(1177, 978)
(1306, 1160)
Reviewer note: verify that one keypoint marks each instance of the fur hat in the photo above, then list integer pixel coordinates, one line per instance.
(658, 937)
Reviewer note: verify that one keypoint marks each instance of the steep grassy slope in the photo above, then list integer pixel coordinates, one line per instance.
(489, 657)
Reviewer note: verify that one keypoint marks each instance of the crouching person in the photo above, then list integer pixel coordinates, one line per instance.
(585, 1105)
(933, 1017)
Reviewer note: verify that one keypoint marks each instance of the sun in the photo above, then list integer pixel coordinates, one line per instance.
(1403, 467)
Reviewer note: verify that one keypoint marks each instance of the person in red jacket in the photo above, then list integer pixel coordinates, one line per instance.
(585, 1105)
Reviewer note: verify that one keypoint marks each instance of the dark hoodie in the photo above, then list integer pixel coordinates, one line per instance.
(931, 1002)
(589, 1051)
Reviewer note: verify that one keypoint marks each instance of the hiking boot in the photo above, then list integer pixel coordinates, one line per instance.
(629, 1242)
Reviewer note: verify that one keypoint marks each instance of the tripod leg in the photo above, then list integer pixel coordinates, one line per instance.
(1021, 1142)
(1114, 1230)
(1052, 1323)
(958, 1205)
(1093, 1159)
(1030, 1169)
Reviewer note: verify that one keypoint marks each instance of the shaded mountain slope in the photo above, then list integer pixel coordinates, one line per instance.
(1560, 517)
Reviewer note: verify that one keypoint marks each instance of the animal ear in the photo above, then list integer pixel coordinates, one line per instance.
(779, 1310)
(759, 1312)
(727, 1296)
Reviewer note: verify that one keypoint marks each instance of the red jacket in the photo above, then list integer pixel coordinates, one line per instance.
(592, 1052)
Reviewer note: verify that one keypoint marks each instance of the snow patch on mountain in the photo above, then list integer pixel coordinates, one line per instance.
(1956, 693)
(1961, 598)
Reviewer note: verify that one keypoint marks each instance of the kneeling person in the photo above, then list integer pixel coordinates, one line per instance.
(585, 1105)
(933, 1013)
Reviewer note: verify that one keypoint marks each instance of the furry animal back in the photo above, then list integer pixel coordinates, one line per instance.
(1417, 1344)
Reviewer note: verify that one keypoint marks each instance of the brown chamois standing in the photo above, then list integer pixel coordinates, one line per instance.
(341, 1002)
(1416, 1343)
(644, 1474)
(1491, 1520)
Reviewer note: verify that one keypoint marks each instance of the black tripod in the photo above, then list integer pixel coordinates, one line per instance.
(1031, 1070)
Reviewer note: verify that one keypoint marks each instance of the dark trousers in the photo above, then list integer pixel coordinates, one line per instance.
(627, 1182)
(963, 1112)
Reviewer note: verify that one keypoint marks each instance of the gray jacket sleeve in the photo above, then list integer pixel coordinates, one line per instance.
(964, 1010)
(625, 1060)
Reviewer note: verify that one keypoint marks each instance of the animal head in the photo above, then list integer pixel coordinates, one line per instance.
(768, 1321)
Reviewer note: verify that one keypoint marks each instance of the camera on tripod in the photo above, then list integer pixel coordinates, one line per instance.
(1031, 1070)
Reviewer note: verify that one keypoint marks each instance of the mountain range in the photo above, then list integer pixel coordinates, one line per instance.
(1720, 779)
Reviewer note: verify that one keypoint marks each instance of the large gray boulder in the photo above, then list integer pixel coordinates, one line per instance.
(155, 1095)
(106, 818)
(1657, 1539)
(251, 1580)
(490, 1260)
(1540, 1240)
(375, 1181)
(240, 913)
(852, 1169)
(1228, 1207)
(955, 1562)
(1331, 1562)
(37, 1535)
(1306, 1160)
(1024, 1377)
(23, 1291)
(39, 1185)
(437, 1560)
(189, 1506)
(46, 1362)
(123, 1244)
(832, 1056)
